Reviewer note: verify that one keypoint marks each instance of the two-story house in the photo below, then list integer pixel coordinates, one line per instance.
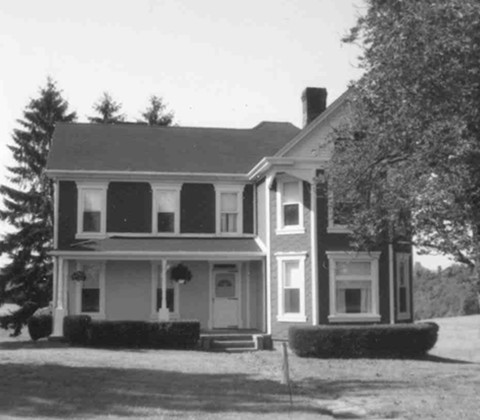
(246, 210)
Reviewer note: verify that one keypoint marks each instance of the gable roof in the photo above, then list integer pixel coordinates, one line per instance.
(321, 119)
(143, 148)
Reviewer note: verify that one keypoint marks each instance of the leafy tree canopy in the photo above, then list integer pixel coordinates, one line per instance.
(156, 112)
(411, 149)
(108, 110)
(27, 201)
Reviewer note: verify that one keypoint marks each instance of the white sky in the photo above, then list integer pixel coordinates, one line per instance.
(216, 63)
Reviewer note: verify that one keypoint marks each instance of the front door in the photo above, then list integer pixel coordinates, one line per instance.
(225, 300)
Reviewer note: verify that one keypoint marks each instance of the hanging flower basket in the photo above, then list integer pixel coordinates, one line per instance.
(79, 275)
(181, 274)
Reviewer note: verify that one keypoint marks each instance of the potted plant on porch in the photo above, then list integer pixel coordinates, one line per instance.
(79, 275)
(181, 273)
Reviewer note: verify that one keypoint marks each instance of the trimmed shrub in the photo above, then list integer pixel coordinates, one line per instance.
(40, 324)
(76, 329)
(174, 334)
(82, 330)
(347, 341)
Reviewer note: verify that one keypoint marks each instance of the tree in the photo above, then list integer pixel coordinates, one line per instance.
(156, 113)
(411, 149)
(27, 204)
(108, 110)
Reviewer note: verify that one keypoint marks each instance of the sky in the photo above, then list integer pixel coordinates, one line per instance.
(216, 63)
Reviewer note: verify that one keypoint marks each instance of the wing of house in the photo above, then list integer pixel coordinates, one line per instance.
(245, 210)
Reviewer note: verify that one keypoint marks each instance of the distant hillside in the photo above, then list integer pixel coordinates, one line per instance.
(447, 292)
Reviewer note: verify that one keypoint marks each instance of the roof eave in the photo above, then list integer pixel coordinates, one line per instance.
(75, 174)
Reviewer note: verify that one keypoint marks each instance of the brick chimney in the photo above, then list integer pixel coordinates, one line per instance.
(314, 103)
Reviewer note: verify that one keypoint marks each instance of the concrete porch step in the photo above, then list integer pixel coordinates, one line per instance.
(233, 344)
(235, 341)
(231, 337)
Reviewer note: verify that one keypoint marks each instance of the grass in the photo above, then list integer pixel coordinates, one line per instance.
(48, 380)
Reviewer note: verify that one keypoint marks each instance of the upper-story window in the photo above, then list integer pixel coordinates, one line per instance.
(166, 208)
(229, 214)
(340, 211)
(290, 206)
(91, 210)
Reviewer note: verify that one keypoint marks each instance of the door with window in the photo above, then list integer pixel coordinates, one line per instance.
(225, 299)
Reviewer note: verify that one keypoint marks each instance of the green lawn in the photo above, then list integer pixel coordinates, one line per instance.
(45, 380)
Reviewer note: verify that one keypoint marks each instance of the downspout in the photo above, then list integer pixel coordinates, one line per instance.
(268, 262)
(313, 246)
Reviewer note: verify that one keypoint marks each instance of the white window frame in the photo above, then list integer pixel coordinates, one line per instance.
(332, 227)
(228, 189)
(101, 284)
(82, 188)
(345, 256)
(405, 258)
(291, 229)
(282, 257)
(156, 190)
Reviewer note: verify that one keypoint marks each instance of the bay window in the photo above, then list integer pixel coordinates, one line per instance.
(353, 286)
(403, 285)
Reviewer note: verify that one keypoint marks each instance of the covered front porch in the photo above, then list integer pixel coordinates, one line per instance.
(225, 290)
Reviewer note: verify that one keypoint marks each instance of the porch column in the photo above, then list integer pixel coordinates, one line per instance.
(60, 298)
(163, 312)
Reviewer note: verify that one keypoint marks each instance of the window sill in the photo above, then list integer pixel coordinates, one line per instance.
(90, 235)
(403, 316)
(338, 229)
(354, 318)
(290, 231)
(291, 318)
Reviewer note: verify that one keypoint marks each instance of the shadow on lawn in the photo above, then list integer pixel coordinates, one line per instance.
(52, 390)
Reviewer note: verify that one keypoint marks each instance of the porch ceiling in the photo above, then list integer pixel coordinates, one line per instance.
(163, 247)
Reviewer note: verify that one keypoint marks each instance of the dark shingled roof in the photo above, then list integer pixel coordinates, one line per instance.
(186, 245)
(136, 147)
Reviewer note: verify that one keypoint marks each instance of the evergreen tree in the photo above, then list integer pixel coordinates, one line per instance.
(108, 110)
(28, 203)
(156, 113)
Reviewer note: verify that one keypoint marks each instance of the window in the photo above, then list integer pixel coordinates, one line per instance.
(90, 293)
(403, 285)
(291, 287)
(340, 212)
(353, 286)
(229, 200)
(290, 206)
(166, 209)
(229, 212)
(91, 219)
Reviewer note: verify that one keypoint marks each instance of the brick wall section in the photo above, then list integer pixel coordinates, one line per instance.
(289, 243)
(340, 242)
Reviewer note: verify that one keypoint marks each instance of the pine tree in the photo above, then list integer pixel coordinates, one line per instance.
(108, 110)
(28, 203)
(156, 113)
